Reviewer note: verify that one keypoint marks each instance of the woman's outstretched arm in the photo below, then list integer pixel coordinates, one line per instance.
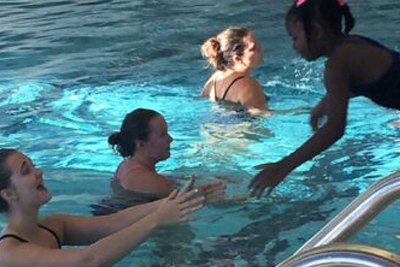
(107, 250)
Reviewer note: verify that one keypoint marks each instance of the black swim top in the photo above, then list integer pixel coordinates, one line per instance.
(386, 90)
(227, 89)
(26, 241)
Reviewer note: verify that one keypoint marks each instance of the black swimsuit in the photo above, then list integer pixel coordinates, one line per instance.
(26, 241)
(385, 91)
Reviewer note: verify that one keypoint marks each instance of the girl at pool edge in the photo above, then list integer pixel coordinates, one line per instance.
(234, 53)
(355, 66)
(143, 141)
(27, 240)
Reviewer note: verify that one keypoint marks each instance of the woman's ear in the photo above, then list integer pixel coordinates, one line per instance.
(8, 194)
(237, 59)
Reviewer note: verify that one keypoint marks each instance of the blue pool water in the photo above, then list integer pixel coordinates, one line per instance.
(70, 70)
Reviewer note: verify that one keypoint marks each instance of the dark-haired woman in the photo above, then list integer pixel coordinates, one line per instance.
(143, 141)
(355, 66)
(28, 240)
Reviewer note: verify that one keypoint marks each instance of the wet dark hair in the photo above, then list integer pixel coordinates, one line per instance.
(221, 48)
(135, 127)
(329, 13)
(5, 175)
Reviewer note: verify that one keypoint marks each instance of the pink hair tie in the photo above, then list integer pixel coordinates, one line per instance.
(300, 2)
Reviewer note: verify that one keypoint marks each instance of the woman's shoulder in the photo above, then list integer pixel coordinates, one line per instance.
(142, 180)
(250, 85)
(127, 169)
(56, 223)
(208, 85)
(250, 93)
(250, 81)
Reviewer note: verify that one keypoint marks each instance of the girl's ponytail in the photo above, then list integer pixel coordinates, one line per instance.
(349, 21)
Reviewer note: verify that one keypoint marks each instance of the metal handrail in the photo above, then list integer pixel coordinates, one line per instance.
(343, 254)
(358, 213)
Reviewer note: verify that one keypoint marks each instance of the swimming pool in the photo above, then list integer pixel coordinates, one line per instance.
(70, 70)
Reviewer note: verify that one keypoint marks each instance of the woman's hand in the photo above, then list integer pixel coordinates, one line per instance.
(270, 176)
(189, 185)
(175, 208)
(213, 192)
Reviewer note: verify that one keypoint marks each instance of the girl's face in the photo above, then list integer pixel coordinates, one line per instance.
(157, 147)
(253, 54)
(27, 186)
(296, 30)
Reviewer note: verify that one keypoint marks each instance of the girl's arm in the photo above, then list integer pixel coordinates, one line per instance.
(335, 105)
(324, 137)
(106, 251)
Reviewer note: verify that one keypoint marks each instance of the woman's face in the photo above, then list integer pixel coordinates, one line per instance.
(27, 186)
(157, 146)
(253, 54)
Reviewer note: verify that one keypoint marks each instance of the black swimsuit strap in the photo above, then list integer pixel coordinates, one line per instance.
(53, 233)
(227, 89)
(14, 236)
(26, 241)
(230, 86)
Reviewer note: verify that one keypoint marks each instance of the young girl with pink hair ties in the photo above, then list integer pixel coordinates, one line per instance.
(355, 66)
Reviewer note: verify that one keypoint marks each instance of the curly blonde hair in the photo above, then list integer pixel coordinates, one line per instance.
(221, 48)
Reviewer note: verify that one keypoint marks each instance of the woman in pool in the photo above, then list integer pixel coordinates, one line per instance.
(28, 240)
(355, 66)
(143, 141)
(234, 53)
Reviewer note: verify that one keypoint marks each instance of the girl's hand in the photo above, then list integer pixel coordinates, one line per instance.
(270, 176)
(213, 192)
(175, 208)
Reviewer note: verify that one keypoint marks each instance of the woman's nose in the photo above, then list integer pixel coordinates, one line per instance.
(38, 171)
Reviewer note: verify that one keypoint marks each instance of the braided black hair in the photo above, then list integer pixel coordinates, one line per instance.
(329, 12)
